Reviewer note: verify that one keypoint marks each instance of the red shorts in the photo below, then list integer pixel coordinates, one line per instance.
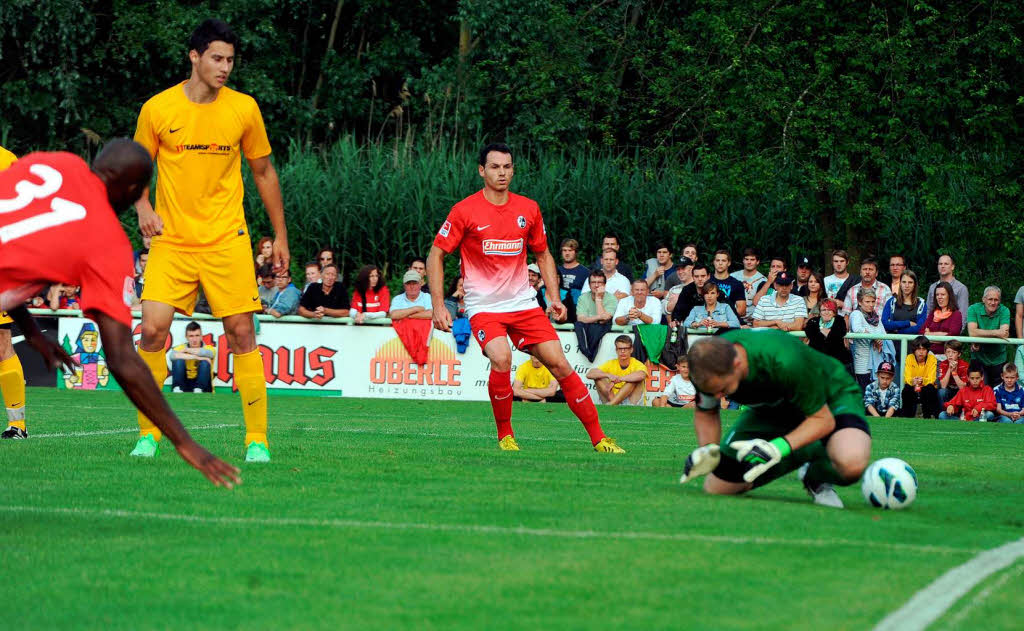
(525, 328)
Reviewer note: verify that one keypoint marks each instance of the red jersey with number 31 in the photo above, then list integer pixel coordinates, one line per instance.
(493, 241)
(57, 226)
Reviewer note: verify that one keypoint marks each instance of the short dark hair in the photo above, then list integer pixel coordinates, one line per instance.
(310, 264)
(192, 326)
(869, 260)
(612, 235)
(324, 268)
(624, 339)
(710, 357)
(954, 345)
(843, 254)
(598, 273)
(265, 270)
(899, 256)
(951, 259)
(662, 244)
(212, 30)
(725, 252)
(700, 265)
(919, 342)
(417, 258)
(751, 252)
(976, 366)
(640, 280)
(500, 147)
(780, 259)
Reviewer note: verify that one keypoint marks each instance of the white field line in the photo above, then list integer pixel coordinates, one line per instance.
(929, 604)
(478, 529)
(982, 596)
(121, 430)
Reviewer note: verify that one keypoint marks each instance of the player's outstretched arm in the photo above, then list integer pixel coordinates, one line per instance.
(53, 354)
(136, 380)
(707, 424)
(264, 175)
(435, 277)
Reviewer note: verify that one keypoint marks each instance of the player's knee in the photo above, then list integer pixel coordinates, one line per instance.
(850, 466)
(559, 369)
(154, 335)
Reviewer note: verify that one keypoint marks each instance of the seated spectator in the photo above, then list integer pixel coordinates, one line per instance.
(919, 372)
(623, 380)
(866, 353)
(312, 274)
(1018, 317)
(803, 273)
(455, 303)
(781, 309)
(897, 266)
(1009, 398)
(676, 283)
(64, 297)
(815, 294)
(371, 299)
(989, 318)
(267, 286)
(612, 241)
(751, 278)
(776, 265)
(868, 280)
(659, 269)
(140, 277)
(264, 252)
(680, 392)
(537, 283)
(712, 314)
(882, 396)
(192, 362)
(615, 282)
(958, 290)
(945, 317)
(839, 283)
(976, 402)
(594, 315)
(905, 312)
(826, 333)
(952, 371)
(638, 308)
(534, 382)
(413, 302)
(147, 242)
(573, 277)
(286, 300)
(325, 257)
(730, 290)
(325, 299)
(691, 296)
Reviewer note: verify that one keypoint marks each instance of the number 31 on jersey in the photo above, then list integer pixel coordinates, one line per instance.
(61, 210)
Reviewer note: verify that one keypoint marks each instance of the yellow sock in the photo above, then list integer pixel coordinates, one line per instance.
(157, 362)
(12, 387)
(252, 385)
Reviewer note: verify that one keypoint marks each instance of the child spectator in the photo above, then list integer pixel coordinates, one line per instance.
(371, 299)
(1009, 398)
(952, 371)
(64, 296)
(882, 396)
(866, 353)
(680, 392)
(976, 402)
(919, 380)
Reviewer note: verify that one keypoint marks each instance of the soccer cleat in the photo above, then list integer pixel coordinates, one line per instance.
(821, 492)
(146, 447)
(608, 446)
(14, 433)
(257, 452)
(508, 443)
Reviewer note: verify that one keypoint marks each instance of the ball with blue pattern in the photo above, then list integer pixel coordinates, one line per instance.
(889, 483)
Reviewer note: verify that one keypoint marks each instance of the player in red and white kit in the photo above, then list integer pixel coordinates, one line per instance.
(58, 225)
(493, 229)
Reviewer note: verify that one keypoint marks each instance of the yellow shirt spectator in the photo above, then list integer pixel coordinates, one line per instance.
(612, 367)
(912, 368)
(192, 365)
(534, 378)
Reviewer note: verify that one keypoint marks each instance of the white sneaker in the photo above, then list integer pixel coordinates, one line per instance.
(822, 493)
(197, 389)
(176, 389)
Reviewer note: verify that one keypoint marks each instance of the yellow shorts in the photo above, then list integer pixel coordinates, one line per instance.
(228, 277)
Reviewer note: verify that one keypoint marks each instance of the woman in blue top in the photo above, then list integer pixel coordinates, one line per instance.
(905, 312)
(712, 314)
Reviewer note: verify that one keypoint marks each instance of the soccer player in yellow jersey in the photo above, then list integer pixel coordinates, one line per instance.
(198, 132)
(12, 376)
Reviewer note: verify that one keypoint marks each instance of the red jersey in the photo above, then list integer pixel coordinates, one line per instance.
(493, 241)
(56, 226)
(969, 398)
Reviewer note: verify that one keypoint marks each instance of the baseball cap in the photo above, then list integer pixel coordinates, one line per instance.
(533, 268)
(803, 261)
(784, 278)
(684, 262)
(886, 367)
(412, 276)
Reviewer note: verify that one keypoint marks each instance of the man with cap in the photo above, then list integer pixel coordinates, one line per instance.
(677, 280)
(882, 397)
(533, 272)
(782, 309)
(803, 272)
(411, 303)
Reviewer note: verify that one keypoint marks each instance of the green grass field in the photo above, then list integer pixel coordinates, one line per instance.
(402, 514)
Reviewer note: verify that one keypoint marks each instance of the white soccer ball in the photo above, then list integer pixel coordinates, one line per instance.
(889, 483)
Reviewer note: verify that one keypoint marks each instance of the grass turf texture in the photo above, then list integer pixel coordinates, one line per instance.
(403, 514)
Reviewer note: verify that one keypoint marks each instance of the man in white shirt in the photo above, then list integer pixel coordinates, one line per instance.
(639, 308)
(838, 284)
(615, 283)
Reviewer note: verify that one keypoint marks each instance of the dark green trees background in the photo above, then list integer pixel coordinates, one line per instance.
(790, 126)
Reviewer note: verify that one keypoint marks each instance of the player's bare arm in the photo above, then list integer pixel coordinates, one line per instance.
(53, 354)
(265, 177)
(549, 273)
(435, 278)
(815, 427)
(137, 382)
(150, 223)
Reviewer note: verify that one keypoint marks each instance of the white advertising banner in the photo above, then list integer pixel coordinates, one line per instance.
(345, 360)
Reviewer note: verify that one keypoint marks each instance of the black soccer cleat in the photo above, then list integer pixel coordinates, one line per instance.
(14, 433)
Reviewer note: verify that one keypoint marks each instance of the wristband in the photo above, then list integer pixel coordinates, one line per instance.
(782, 445)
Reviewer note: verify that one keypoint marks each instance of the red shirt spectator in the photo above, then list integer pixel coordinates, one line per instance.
(973, 401)
(371, 298)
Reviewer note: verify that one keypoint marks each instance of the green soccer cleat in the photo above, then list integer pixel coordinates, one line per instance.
(257, 452)
(608, 446)
(147, 447)
(508, 443)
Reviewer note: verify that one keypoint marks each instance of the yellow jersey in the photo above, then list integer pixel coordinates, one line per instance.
(6, 158)
(198, 149)
(612, 367)
(534, 378)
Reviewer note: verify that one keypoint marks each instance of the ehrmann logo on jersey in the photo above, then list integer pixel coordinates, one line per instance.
(503, 247)
(212, 147)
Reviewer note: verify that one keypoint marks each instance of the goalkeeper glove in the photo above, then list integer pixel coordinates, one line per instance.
(701, 461)
(760, 453)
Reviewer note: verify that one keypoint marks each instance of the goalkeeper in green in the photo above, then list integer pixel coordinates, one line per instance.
(804, 411)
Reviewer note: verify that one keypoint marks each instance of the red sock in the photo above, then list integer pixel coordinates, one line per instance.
(499, 388)
(578, 397)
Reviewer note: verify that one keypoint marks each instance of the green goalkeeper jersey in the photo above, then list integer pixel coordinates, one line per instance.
(788, 380)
